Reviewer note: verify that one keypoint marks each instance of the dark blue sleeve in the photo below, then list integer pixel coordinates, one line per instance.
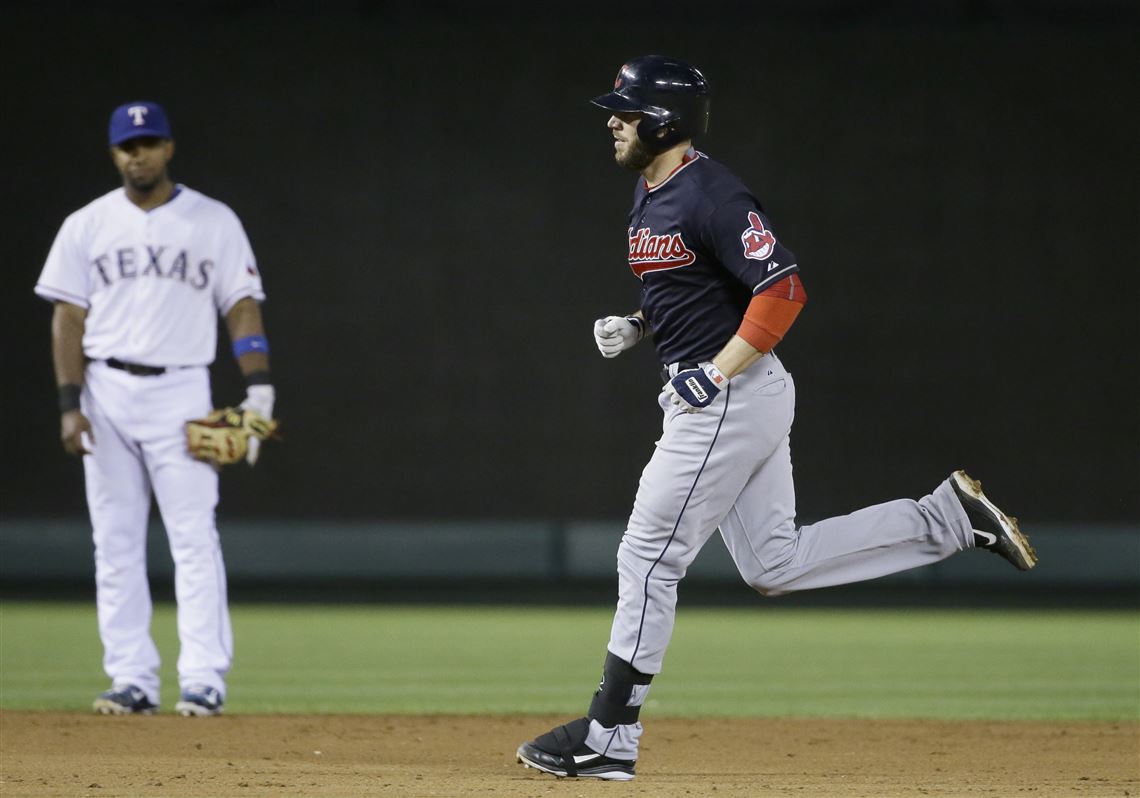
(740, 235)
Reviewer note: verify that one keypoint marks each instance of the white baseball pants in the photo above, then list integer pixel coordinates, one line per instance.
(140, 446)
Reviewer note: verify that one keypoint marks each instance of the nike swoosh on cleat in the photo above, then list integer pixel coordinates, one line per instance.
(585, 758)
(990, 537)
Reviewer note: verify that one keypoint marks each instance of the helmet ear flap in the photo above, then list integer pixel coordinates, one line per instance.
(651, 132)
(661, 133)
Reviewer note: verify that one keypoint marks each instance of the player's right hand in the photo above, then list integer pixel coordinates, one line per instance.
(615, 334)
(259, 399)
(75, 433)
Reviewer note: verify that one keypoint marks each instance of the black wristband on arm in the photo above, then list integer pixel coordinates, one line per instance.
(258, 378)
(69, 397)
(638, 324)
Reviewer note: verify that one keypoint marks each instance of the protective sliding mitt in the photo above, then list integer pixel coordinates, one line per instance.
(693, 390)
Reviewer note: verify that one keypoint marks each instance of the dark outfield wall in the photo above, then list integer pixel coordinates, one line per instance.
(438, 221)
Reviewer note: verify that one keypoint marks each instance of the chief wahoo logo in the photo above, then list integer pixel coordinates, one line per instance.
(759, 242)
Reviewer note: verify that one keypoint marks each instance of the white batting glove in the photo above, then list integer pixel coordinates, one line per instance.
(615, 334)
(259, 399)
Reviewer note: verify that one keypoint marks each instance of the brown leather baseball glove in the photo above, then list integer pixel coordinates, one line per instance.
(223, 436)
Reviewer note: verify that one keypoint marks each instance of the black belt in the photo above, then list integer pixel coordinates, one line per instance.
(135, 368)
(680, 367)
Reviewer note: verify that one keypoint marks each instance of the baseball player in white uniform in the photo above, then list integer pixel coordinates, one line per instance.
(136, 278)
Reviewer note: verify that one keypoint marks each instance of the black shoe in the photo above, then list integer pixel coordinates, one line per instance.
(993, 530)
(125, 700)
(563, 752)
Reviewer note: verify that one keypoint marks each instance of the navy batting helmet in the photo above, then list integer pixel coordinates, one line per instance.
(672, 97)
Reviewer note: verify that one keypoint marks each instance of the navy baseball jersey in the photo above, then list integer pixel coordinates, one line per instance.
(702, 247)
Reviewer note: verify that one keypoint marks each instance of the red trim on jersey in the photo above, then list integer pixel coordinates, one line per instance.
(771, 313)
(789, 288)
(686, 159)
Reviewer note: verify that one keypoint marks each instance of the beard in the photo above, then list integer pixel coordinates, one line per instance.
(635, 157)
(145, 185)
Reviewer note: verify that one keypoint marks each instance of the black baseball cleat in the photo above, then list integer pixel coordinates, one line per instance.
(563, 752)
(993, 530)
(125, 700)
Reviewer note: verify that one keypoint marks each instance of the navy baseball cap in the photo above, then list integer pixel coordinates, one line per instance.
(142, 118)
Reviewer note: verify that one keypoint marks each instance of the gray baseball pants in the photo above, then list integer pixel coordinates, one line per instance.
(730, 466)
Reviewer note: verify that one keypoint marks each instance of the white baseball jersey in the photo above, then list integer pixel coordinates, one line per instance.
(151, 281)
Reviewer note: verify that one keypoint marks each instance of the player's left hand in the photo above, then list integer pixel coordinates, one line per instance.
(693, 390)
(259, 399)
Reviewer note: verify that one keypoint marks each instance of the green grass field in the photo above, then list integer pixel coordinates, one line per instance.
(723, 662)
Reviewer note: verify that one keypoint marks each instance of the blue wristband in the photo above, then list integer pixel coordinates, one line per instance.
(251, 343)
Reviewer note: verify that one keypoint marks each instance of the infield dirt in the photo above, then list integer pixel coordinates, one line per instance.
(56, 754)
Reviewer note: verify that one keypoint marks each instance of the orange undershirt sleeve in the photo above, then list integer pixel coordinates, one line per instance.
(771, 313)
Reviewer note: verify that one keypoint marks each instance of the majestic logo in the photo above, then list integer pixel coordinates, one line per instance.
(650, 253)
(759, 243)
(138, 114)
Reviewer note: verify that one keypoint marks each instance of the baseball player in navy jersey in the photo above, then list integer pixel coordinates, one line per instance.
(138, 278)
(719, 290)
